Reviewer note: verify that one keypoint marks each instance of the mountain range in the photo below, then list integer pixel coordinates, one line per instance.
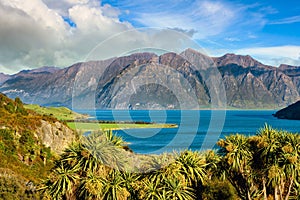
(167, 81)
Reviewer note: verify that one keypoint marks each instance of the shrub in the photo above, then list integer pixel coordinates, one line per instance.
(218, 190)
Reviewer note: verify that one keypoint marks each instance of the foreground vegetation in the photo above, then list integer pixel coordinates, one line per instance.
(24, 160)
(264, 166)
(100, 166)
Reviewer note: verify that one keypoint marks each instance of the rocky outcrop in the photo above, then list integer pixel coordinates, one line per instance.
(290, 112)
(55, 135)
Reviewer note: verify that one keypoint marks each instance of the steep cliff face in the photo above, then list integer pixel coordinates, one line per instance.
(258, 86)
(293, 72)
(29, 143)
(146, 80)
(55, 135)
(197, 59)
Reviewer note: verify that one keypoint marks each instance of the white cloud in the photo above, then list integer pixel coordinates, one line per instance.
(206, 17)
(289, 20)
(110, 11)
(62, 6)
(33, 35)
(28, 28)
(274, 55)
(232, 39)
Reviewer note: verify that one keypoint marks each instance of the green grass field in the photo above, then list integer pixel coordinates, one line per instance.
(83, 126)
(61, 113)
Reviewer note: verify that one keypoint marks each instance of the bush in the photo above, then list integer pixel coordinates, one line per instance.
(218, 190)
(14, 186)
(7, 144)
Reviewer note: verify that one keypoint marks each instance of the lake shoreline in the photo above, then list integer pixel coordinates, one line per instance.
(194, 127)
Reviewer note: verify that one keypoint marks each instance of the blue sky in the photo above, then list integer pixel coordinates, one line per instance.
(242, 23)
(62, 32)
(225, 26)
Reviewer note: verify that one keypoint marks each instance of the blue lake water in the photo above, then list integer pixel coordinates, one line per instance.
(197, 130)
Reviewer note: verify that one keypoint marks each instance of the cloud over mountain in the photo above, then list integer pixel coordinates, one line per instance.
(32, 34)
(39, 33)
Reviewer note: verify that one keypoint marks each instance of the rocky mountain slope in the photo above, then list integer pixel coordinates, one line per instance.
(249, 83)
(3, 77)
(168, 81)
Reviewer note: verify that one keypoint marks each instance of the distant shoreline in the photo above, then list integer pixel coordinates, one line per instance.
(83, 111)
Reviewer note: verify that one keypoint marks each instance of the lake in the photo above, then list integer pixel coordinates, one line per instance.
(197, 130)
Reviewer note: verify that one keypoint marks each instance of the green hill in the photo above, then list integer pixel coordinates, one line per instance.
(61, 113)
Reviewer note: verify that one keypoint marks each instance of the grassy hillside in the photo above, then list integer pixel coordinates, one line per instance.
(24, 158)
(61, 113)
(14, 116)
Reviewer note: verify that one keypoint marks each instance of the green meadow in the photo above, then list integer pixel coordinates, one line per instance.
(65, 114)
(61, 113)
(84, 126)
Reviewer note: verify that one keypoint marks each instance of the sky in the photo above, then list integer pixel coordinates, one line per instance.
(36, 33)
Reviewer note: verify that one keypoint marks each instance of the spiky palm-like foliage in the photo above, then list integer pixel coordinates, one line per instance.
(277, 153)
(91, 186)
(92, 152)
(85, 165)
(131, 183)
(117, 141)
(236, 160)
(152, 190)
(114, 187)
(176, 189)
(263, 165)
(192, 165)
(104, 152)
(64, 179)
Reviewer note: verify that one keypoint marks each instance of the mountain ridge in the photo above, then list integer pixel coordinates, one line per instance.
(248, 83)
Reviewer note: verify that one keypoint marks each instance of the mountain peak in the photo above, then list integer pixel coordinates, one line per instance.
(140, 55)
(241, 60)
(288, 67)
(197, 58)
(3, 77)
(45, 69)
(190, 51)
